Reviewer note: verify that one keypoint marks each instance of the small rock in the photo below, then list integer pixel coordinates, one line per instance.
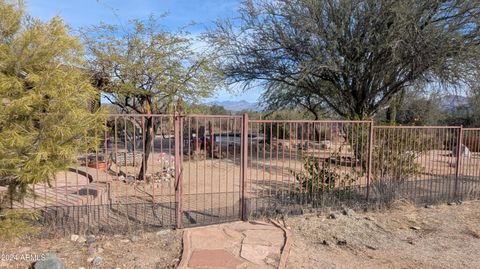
(342, 242)
(89, 260)
(90, 239)
(49, 261)
(81, 267)
(74, 237)
(135, 238)
(415, 228)
(131, 179)
(97, 261)
(459, 202)
(81, 239)
(429, 206)
(103, 228)
(348, 212)
(326, 243)
(333, 216)
(371, 247)
(452, 203)
(125, 241)
(369, 218)
(162, 232)
(280, 210)
(99, 250)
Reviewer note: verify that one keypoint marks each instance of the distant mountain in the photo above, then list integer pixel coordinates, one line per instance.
(237, 105)
(452, 102)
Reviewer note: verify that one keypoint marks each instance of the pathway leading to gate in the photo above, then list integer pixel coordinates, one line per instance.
(236, 245)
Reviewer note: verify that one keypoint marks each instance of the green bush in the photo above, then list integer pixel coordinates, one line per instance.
(16, 223)
(319, 177)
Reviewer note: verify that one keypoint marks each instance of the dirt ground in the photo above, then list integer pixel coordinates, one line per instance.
(157, 250)
(445, 236)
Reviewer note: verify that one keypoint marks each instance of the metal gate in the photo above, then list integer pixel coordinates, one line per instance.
(210, 169)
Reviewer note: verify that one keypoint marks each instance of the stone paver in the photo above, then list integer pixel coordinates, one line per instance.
(213, 258)
(258, 254)
(237, 245)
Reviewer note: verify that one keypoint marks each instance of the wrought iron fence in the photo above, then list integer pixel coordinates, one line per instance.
(179, 171)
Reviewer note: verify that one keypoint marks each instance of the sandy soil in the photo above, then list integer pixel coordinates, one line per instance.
(405, 237)
(143, 250)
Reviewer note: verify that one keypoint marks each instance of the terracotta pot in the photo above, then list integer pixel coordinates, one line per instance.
(100, 165)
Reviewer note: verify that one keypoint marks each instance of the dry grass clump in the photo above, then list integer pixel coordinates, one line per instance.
(402, 205)
(474, 230)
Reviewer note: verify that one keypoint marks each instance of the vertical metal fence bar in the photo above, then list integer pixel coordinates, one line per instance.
(244, 166)
(458, 156)
(371, 135)
(178, 170)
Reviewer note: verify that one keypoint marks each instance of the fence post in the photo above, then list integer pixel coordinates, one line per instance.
(178, 169)
(457, 165)
(244, 167)
(370, 154)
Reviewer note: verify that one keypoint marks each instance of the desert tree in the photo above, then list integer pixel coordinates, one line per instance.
(284, 97)
(45, 120)
(147, 70)
(354, 56)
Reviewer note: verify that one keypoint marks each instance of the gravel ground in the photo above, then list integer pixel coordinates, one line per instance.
(442, 236)
(157, 250)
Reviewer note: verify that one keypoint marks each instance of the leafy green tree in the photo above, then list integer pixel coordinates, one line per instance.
(45, 119)
(147, 70)
(354, 56)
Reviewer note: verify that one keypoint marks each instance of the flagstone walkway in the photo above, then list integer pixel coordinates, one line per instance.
(236, 245)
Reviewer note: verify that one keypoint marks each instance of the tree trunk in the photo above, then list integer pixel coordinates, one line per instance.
(149, 131)
(391, 116)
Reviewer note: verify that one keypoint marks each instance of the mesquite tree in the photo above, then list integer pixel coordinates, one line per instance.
(146, 70)
(353, 56)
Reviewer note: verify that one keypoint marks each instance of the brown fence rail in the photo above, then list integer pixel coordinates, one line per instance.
(177, 171)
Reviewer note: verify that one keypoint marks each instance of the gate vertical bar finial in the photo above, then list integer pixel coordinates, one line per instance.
(244, 167)
(371, 133)
(458, 159)
(178, 170)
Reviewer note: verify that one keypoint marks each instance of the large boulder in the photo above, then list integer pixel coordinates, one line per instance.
(49, 261)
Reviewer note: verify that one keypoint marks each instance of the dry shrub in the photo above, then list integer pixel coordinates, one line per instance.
(394, 162)
(402, 205)
(474, 230)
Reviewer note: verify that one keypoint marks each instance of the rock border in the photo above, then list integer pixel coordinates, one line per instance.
(285, 252)
(186, 250)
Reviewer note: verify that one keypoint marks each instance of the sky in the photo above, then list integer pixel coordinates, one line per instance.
(180, 13)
